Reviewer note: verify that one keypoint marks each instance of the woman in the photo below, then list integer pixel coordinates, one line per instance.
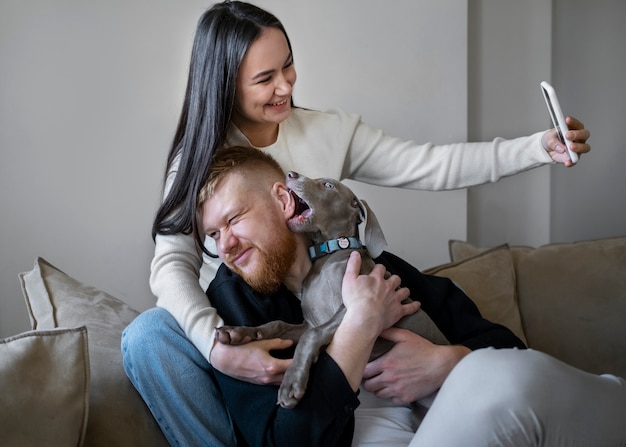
(239, 92)
(222, 108)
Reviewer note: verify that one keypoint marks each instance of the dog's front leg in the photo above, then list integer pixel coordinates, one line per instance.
(307, 351)
(239, 335)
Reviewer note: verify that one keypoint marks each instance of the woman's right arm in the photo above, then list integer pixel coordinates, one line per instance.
(179, 277)
(175, 279)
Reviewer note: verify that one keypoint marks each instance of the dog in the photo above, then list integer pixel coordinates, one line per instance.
(332, 216)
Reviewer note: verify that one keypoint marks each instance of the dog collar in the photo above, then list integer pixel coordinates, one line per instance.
(325, 248)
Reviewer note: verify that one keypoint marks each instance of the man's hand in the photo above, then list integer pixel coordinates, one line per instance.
(252, 362)
(374, 301)
(414, 368)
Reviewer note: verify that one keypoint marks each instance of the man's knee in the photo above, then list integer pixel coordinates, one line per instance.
(502, 362)
(503, 378)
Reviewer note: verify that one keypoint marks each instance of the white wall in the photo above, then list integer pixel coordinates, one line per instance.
(579, 46)
(509, 56)
(589, 68)
(90, 94)
(89, 97)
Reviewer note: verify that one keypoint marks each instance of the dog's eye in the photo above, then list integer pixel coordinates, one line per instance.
(329, 185)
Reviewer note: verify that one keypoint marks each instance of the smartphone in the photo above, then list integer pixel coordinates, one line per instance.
(558, 119)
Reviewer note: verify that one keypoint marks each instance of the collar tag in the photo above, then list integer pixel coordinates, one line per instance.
(343, 243)
(325, 248)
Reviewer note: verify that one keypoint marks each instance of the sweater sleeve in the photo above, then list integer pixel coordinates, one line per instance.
(176, 276)
(340, 145)
(376, 158)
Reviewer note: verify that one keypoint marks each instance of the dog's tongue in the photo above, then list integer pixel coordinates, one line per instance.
(301, 205)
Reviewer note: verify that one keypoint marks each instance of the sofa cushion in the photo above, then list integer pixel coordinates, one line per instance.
(117, 414)
(573, 302)
(488, 278)
(572, 299)
(44, 388)
(460, 250)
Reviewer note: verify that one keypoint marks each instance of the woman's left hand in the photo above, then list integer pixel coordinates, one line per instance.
(576, 133)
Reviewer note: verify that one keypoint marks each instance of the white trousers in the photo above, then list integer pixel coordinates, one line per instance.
(509, 397)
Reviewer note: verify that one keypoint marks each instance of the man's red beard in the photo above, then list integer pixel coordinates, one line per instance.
(273, 266)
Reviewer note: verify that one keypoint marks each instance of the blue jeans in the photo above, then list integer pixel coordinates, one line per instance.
(176, 382)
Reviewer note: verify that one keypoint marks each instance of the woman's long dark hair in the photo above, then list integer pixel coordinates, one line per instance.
(223, 35)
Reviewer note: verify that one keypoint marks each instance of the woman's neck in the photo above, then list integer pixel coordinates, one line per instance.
(259, 135)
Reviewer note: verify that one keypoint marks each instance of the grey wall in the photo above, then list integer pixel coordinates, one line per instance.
(509, 56)
(580, 47)
(89, 97)
(90, 93)
(589, 66)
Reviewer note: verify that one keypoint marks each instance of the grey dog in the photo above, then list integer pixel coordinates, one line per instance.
(331, 214)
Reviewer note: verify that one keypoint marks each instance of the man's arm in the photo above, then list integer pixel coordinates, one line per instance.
(324, 416)
(415, 367)
(373, 303)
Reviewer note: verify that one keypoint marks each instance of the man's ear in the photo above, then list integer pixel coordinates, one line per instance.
(287, 202)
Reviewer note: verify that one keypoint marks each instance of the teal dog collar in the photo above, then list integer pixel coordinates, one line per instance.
(333, 245)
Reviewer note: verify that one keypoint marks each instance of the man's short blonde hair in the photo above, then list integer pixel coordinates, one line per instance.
(229, 159)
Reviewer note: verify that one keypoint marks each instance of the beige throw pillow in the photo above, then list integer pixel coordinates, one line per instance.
(572, 299)
(488, 278)
(573, 302)
(117, 414)
(44, 388)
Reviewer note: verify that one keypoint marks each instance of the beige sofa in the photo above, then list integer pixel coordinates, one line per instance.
(63, 383)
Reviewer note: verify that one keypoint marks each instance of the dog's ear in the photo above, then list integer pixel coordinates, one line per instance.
(370, 232)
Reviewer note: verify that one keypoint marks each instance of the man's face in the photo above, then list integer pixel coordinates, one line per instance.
(250, 232)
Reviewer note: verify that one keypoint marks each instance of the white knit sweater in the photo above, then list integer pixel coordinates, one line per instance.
(337, 145)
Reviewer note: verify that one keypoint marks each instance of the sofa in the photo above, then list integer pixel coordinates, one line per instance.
(63, 383)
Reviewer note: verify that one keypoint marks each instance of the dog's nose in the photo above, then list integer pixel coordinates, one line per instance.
(292, 174)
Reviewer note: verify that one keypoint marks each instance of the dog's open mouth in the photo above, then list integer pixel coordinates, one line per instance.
(302, 211)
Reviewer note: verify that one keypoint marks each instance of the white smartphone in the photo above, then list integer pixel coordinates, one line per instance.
(558, 119)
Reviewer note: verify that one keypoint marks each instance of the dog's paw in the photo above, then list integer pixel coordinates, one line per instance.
(236, 335)
(292, 388)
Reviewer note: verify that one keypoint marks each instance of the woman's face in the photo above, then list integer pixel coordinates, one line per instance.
(265, 82)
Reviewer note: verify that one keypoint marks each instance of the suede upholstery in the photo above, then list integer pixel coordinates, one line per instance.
(117, 414)
(488, 277)
(572, 299)
(44, 378)
(568, 300)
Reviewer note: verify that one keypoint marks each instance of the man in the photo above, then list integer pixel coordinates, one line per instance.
(512, 397)
(244, 208)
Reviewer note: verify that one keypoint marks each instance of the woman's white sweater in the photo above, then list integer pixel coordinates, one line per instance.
(337, 145)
